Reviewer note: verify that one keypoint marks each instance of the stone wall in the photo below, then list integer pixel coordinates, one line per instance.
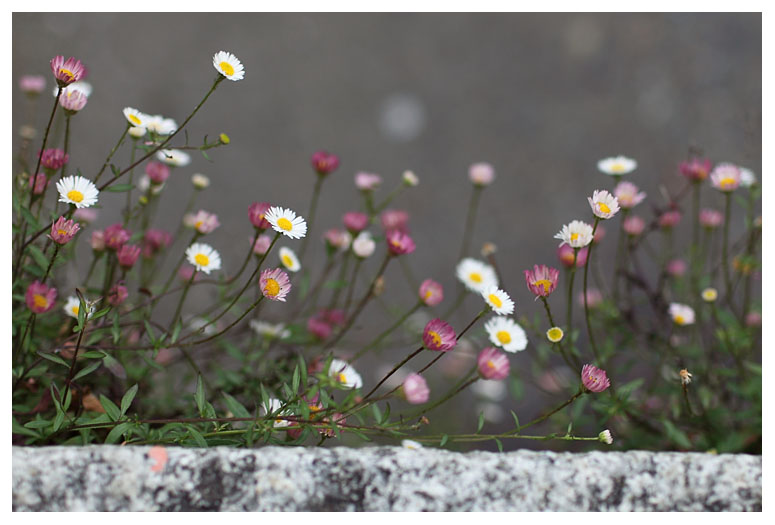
(105, 478)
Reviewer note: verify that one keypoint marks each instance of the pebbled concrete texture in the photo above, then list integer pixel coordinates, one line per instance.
(107, 478)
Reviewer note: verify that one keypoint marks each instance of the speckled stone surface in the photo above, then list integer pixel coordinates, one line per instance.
(105, 478)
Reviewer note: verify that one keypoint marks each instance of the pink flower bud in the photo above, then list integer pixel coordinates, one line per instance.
(493, 364)
(355, 221)
(399, 243)
(415, 389)
(256, 213)
(324, 162)
(158, 172)
(594, 379)
(40, 298)
(481, 174)
(127, 255)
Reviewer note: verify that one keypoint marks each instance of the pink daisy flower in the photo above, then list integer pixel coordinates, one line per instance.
(431, 292)
(154, 241)
(439, 336)
(493, 364)
(157, 171)
(565, 254)
(97, 240)
(481, 174)
(695, 169)
(67, 71)
(399, 243)
(542, 280)
(628, 195)
(633, 225)
(53, 159)
(274, 284)
(127, 255)
(205, 222)
(415, 389)
(39, 183)
(395, 220)
(318, 328)
(72, 101)
(40, 298)
(367, 181)
(256, 213)
(32, 84)
(63, 230)
(725, 177)
(117, 294)
(116, 236)
(355, 221)
(669, 219)
(324, 162)
(711, 218)
(594, 379)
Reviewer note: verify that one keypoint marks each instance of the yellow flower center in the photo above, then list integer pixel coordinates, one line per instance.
(75, 195)
(202, 259)
(227, 68)
(342, 378)
(555, 334)
(475, 277)
(504, 337)
(66, 72)
(198, 224)
(135, 120)
(679, 319)
(727, 182)
(490, 364)
(39, 301)
(272, 287)
(287, 261)
(61, 232)
(495, 300)
(75, 309)
(435, 337)
(284, 224)
(428, 294)
(603, 207)
(617, 167)
(545, 283)
(574, 236)
(313, 408)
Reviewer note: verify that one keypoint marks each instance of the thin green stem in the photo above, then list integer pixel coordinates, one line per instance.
(470, 220)
(311, 216)
(586, 304)
(725, 246)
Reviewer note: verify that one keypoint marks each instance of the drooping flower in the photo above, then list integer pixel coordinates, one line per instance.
(344, 373)
(628, 195)
(594, 379)
(682, 314)
(505, 333)
(201, 182)
(577, 234)
(285, 221)
(410, 179)
(127, 255)
(709, 295)
(542, 280)
(633, 225)
(395, 220)
(555, 334)
(415, 389)
(117, 294)
(154, 241)
(158, 172)
(669, 219)
(324, 162)
(53, 159)
(617, 166)
(38, 184)
(481, 174)
(498, 300)
(364, 245)
(63, 230)
(257, 215)
(476, 275)
(72, 101)
(136, 118)
(289, 259)
(399, 243)
(67, 71)
(355, 221)
(695, 169)
(174, 157)
(605, 437)
(493, 364)
(40, 298)
(603, 204)
(565, 254)
(116, 236)
(438, 336)
(711, 219)
(204, 257)
(725, 177)
(205, 222)
(77, 190)
(274, 284)
(685, 376)
(431, 292)
(367, 181)
(228, 65)
(32, 84)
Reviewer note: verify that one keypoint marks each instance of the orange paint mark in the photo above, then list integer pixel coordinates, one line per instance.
(160, 455)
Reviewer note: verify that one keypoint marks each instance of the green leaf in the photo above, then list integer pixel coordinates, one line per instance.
(55, 359)
(480, 424)
(200, 440)
(110, 408)
(500, 445)
(118, 188)
(16, 428)
(100, 313)
(676, 435)
(58, 420)
(88, 370)
(176, 331)
(516, 421)
(296, 379)
(444, 440)
(199, 395)
(115, 434)
(37, 254)
(126, 401)
(235, 407)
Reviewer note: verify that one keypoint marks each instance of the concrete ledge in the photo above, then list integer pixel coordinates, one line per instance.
(111, 478)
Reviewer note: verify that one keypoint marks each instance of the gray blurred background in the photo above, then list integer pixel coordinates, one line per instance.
(542, 97)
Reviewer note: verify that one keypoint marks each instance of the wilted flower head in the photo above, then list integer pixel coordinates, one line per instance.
(438, 336)
(682, 314)
(481, 174)
(566, 256)
(324, 162)
(394, 220)
(415, 389)
(669, 219)
(603, 204)
(410, 179)
(577, 234)
(725, 177)
(355, 221)
(696, 169)
(63, 230)
(364, 245)
(399, 243)
(157, 171)
(228, 65)
(711, 218)
(257, 215)
(431, 292)
(72, 101)
(627, 195)
(40, 298)
(367, 181)
(32, 84)
(67, 71)
(542, 280)
(633, 225)
(274, 284)
(594, 379)
(617, 166)
(493, 364)
(116, 236)
(127, 255)
(117, 294)
(685, 376)
(53, 159)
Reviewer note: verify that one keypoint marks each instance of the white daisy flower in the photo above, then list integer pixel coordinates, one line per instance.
(73, 306)
(410, 444)
(228, 65)
(77, 190)
(364, 245)
(498, 300)
(137, 132)
(577, 234)
(82, 86)
(506, 333)
(274, 406)
(617, 166)
(200, 181)
(285, 221)
(747, 178)
(682, 314)
(476, 275)
(160, 125)
(289, 259)
(203, 257)
(136, 117)
(174, 157)
(604, 205)
(345, 374)
(709, 295)
(270, 330)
